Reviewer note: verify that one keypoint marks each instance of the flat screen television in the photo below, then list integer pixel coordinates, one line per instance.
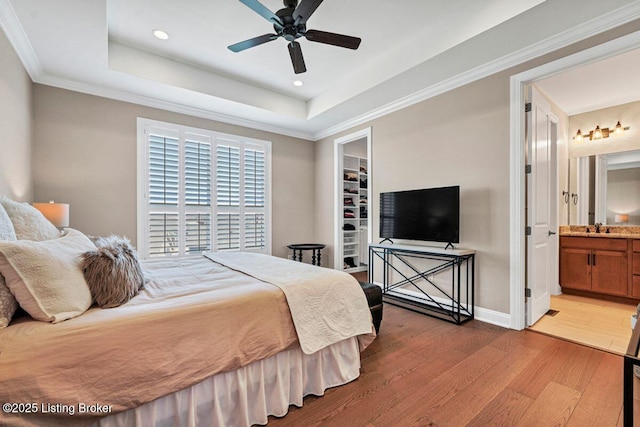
(429, 214)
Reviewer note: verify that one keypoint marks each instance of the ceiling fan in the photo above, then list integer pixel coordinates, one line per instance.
(290, 24)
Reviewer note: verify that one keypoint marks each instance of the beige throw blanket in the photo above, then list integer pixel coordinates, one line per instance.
(326, 305)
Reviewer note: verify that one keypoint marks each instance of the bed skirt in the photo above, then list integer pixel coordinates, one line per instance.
(248, 395)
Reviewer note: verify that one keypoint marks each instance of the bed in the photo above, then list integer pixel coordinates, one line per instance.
(207, 341)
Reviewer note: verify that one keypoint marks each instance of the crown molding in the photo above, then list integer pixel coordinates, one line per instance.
(18, 39)
(578, 33)
(148, 101)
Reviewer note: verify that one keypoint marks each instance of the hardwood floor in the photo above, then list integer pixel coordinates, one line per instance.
(601, 324)
(423, 371)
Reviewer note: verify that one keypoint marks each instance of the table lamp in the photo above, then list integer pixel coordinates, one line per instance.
(621, 218)
(56, 213)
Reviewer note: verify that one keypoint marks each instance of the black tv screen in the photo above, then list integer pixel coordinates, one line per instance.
(430, 214)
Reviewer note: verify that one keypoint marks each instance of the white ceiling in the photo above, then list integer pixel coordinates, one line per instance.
(606, 83)
(106, 47)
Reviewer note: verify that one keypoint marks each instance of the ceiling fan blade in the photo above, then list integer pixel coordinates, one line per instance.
(304, 10)
(295, 51)
(261, 10)
(333, 39)
(240, 46)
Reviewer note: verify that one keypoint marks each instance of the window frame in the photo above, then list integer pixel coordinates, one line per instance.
(146, 126)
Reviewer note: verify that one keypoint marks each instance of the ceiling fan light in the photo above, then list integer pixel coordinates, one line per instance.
(298, 83)
(159, 34)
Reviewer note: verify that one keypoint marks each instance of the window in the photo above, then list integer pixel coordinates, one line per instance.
(201, 191)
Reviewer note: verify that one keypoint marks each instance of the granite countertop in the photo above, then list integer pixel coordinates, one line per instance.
(615, 231)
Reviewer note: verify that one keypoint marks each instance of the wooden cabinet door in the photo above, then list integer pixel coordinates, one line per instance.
(609, 272)
(636, 262)
(635, 286)
(575, 271)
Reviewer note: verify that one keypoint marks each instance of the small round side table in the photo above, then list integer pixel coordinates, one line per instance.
(314, 247)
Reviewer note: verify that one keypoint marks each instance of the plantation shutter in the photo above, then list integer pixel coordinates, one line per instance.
(179, 218)
(197, 194)
(254, 178)
(163, 195)
(228, 197)
(203, 191)
(197, 173)
(254, 198)
(240, 196)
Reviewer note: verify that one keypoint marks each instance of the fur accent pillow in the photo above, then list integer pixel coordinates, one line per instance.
(28, 222)
(112, 272)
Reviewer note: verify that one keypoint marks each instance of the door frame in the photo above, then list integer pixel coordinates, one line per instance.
(517, 267)
(338, 149)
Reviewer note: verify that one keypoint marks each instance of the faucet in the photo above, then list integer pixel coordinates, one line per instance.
(598, 225)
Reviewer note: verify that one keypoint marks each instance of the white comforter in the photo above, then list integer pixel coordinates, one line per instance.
(326, 305)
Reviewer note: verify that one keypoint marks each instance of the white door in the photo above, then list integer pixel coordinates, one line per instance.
(539, 145)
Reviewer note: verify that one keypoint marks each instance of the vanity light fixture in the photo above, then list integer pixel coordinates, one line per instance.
(578, 137)
(598, 133)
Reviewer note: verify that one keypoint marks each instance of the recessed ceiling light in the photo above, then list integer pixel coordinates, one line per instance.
(297, 83)
(160, 34)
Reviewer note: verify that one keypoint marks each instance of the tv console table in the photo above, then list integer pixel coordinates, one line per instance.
(405, 267)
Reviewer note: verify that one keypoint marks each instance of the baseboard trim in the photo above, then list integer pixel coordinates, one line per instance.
(481, 314)
(493, 317)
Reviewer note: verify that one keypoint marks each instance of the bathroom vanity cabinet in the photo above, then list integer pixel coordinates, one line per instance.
(599, 264)
(635, 268)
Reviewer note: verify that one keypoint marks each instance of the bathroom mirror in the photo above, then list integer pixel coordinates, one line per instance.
(604, 188)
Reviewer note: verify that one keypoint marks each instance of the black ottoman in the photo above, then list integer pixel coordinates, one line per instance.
(374, 298)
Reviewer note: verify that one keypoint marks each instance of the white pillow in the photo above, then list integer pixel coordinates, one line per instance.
(7, 232)
(28, 222)
(45, 276)
(8, 304)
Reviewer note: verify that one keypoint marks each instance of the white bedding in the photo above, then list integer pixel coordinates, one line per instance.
(326, 305)
(195, 319)
(248, 395)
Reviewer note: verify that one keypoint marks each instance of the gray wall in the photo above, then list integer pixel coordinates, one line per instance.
(16, 121)
(461, 138)
(447, 140)
(85, 155)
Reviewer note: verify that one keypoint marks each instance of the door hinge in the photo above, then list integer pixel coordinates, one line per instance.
(527, 169)
(527, 107)
(527, 231)
(527, 292)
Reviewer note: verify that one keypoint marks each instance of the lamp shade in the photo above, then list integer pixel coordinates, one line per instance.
(621, 218)
(57, 213)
